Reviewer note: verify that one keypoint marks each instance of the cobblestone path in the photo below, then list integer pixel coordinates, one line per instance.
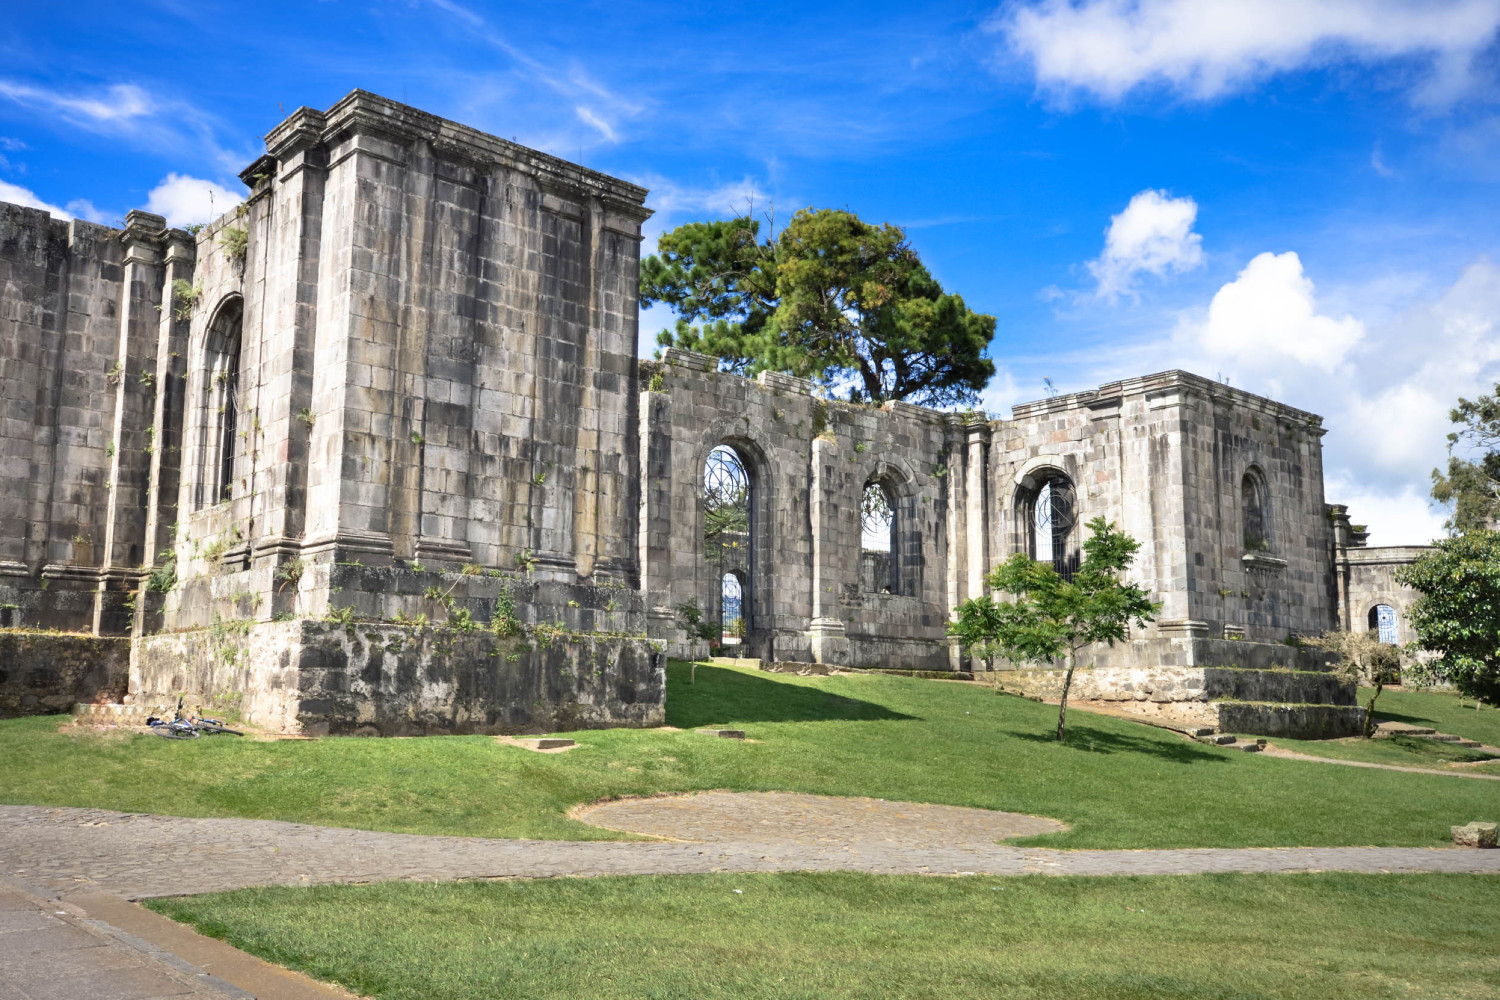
(1275, 751)
(75, 850)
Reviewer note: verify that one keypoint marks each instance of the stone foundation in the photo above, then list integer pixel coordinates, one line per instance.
(1300, 704)
(321, 678)
(45, 673)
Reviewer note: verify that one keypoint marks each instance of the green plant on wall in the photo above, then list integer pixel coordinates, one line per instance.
(163, 577)
(185, 297)
(236, 243)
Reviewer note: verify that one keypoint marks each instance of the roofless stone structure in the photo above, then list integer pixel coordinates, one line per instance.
(374, 453)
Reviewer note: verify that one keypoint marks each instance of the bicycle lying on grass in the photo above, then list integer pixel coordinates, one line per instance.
(186, 726)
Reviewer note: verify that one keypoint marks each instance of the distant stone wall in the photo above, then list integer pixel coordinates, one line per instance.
(1367, 578)
(322, 678)
(43, 673)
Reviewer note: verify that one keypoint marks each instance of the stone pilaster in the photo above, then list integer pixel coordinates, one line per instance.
(165, 435)
(294, 173)
(134, 403)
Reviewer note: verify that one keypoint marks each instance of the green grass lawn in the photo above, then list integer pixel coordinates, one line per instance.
(1447, 713)
(1116, 783)
(1322, 937)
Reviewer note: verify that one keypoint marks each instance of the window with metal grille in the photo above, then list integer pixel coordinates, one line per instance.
(727, 534)
(1052, 516)
(1383, 623)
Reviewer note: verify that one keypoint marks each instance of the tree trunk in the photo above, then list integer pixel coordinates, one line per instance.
(1062, 705)
(1370, 711)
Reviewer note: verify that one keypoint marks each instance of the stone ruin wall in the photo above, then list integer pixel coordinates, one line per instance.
(438, 371)
(1163, 457)
(809, 459)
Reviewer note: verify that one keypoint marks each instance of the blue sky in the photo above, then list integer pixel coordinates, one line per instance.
(1299, 197)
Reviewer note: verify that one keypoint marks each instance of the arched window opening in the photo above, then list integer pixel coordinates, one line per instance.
(879, 565)
(732, 601)
(1051, 517)
(220, 411)
(1383, 623)
(727, 534)
(1254, 512)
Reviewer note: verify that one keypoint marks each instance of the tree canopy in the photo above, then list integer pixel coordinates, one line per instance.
(1472, 481)
(1053, 617)
(831, 298)
(1458, 613)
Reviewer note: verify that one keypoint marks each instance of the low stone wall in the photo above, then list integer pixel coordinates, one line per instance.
(321, 677)
(43, 673)
(1295, 703)
(1299, 722)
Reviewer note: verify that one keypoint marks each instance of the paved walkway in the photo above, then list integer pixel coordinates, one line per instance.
(136, 856)
(52, 949)
(1275, 751)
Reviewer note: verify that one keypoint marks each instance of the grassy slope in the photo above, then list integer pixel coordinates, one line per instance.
(1447, 713)
(1324, 936)
(1117, 783)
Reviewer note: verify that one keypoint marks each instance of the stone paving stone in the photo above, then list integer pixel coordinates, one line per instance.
(52, 951)
(136, 856)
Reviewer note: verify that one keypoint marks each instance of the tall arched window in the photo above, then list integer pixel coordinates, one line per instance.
(879, 562)
(1255, 513)
(220, 403)
(1383, 623)
(1051, 515)
(727, 534)
(732, 609)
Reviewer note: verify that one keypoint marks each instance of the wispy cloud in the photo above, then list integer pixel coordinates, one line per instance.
(130, 112)
(1203, 51)
(600, 108)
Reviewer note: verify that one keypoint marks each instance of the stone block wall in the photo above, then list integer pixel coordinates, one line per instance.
(808, 459)
(1300, 704)
(44, 673)
(326, 678)
(1164, 457)
(86, 367)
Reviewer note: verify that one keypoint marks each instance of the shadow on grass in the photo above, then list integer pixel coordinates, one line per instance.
(1381, 715)
(1090, 740)
(722, 695)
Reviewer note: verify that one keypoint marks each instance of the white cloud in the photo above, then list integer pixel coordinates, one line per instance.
(1203, 49)
(189, 200)
(1383, 389)
(1404, 517)
(17, 195)
(1268, 316)
(1153, 235)
(78, 208)
(588, 117)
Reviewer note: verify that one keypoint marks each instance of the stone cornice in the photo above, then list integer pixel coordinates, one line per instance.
(364, 113)
(1112, 392)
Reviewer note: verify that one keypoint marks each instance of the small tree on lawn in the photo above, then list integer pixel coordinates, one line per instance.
(1363, 658)
(1052, 617)
(1457, 615)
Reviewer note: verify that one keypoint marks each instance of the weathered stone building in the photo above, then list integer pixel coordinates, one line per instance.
(373, 452)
